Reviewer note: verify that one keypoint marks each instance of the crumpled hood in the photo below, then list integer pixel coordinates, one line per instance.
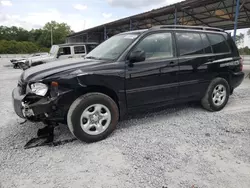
(44, 70)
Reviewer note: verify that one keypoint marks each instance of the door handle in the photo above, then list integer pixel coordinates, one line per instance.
(70, 57)
(172, 64)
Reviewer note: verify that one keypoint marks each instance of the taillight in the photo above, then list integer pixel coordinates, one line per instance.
(241, 64)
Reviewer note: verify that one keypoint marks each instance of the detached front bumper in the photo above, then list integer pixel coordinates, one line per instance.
(36, 108)
(24, 109)
(17, 102)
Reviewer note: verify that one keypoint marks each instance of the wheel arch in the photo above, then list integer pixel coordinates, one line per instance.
(227, 77)
(100, 89)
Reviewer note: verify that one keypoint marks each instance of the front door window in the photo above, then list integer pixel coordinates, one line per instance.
(156, 46)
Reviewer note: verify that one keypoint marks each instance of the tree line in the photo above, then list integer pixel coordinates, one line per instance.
(245, 50)
(14, 40)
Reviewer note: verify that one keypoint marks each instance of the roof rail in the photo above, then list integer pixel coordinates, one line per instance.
(186, 27)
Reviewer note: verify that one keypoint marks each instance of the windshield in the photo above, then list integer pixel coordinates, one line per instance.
(53, 49)
(112, 48)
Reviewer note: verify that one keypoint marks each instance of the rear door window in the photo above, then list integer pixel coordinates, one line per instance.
(189, 43)
(79, 49)
(218, 43)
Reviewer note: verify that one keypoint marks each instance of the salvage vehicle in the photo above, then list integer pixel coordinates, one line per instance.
(15, 62)
(58, 52)
(131, 71)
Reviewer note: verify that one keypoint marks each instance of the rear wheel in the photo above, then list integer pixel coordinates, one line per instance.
(217, 95)
(92, 117)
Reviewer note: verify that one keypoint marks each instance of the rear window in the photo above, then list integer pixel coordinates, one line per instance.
(189, 44)
(218, 43)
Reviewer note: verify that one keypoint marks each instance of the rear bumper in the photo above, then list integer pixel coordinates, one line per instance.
(237, 79)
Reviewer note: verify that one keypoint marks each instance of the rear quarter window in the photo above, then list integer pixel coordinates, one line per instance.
(218, 43)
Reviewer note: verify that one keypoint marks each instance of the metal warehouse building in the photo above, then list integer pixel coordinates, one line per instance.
(225, 14)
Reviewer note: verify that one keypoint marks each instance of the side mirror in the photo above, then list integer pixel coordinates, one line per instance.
(137, 56)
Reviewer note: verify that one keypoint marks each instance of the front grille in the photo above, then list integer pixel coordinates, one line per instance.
(22, 85)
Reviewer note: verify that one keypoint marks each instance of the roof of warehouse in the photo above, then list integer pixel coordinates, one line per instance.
(212, 13)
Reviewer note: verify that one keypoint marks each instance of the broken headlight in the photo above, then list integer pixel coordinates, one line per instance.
(39, 89)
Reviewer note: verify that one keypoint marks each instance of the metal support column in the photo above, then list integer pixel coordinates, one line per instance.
(105, 33)
(175, 16)
(130, 25)
(237, 9)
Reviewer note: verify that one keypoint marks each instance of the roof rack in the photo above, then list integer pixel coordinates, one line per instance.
(187, 27)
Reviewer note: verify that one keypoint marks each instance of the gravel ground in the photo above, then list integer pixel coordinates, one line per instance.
(184, 146)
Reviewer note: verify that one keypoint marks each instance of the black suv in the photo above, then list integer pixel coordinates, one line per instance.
(135, 70)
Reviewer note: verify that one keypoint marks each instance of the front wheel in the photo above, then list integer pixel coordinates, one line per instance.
(92, 117)
(217, 95)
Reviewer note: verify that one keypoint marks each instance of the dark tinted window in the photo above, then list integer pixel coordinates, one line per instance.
(65, 51)
(206, 44)
(189, 43)
(157, 46)
(90, 47)
(218, 43)
(79, 49)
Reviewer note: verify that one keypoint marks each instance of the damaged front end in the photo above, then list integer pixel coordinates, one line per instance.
(42, 102)
(38, 101)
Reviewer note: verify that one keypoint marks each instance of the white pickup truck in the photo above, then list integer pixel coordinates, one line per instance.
(58, 52)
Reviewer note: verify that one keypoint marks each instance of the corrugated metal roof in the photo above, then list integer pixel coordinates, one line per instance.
(213, 13)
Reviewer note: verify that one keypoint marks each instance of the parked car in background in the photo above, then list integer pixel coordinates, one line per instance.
(131, 71)
(16, 60)
(58, 52)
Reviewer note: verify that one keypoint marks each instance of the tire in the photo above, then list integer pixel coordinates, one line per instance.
(213, 100)
(84, 111)
(23, 66)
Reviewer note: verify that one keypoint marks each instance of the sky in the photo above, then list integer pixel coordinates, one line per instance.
(79, 14)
